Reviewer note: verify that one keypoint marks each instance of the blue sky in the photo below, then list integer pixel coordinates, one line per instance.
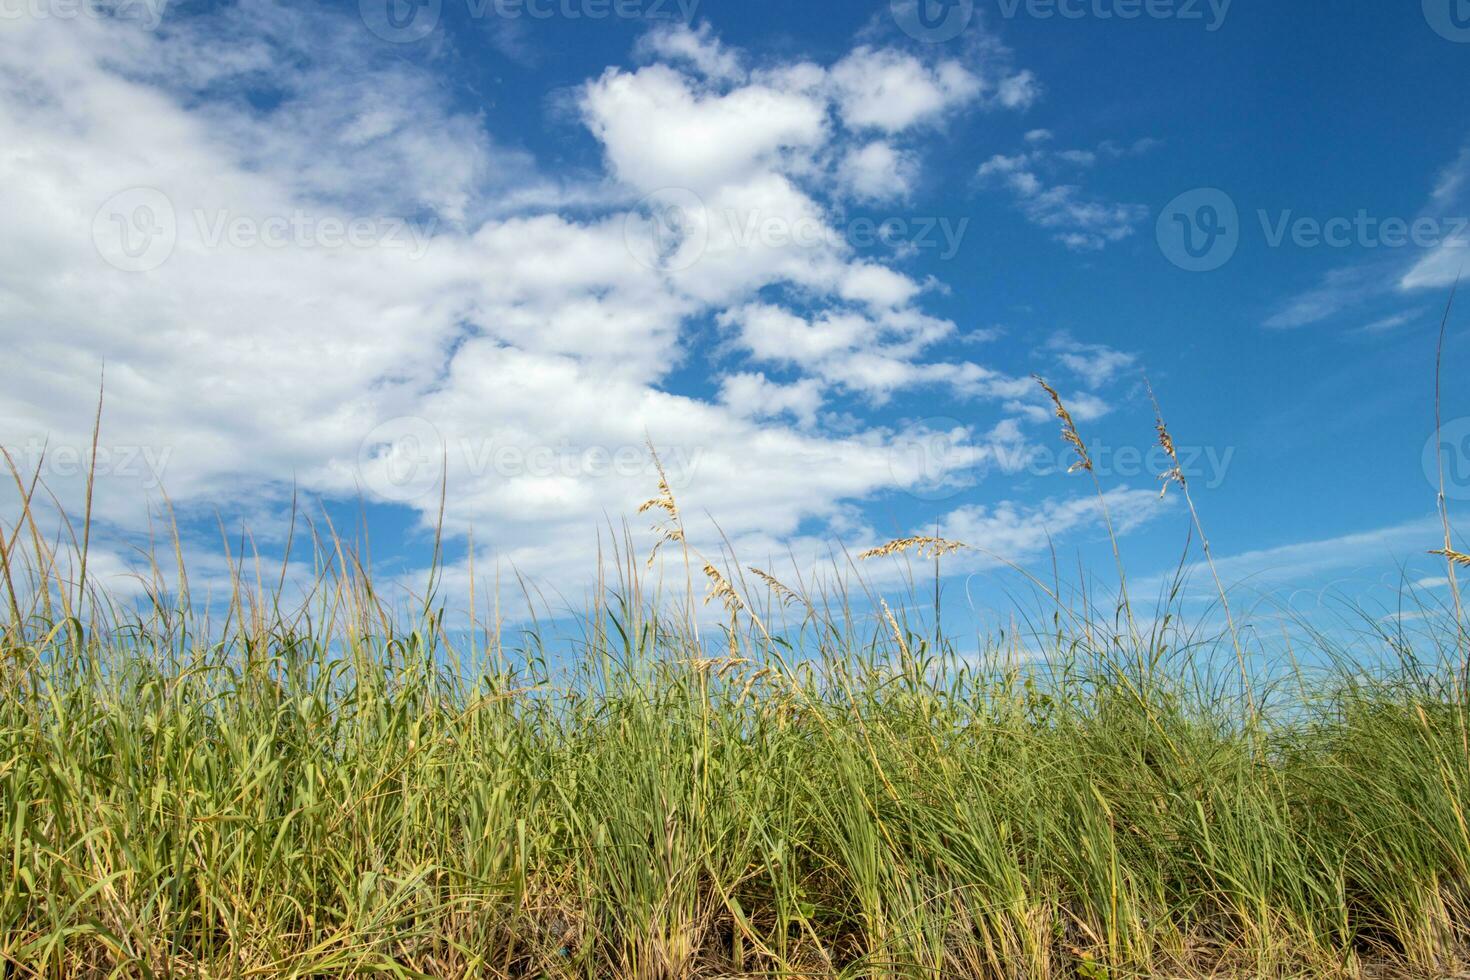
(334, 248)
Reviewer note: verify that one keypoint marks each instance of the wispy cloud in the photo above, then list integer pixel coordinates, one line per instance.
(1391, 323)
(1340, 289)
(1095, 364)
(1081, 222)
(1375, 555)
(1413, 269)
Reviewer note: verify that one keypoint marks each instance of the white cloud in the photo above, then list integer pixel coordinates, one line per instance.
(1078, 221)
(1449, 204)
(753, 395)
(1140, 146)
(1390, 323)
(695, 46)
(1451, 184)
(1438, 266)
(1379, 553)
(878, 173)
(1339, 289)
(1019, 91)
(1012, 532)
(1095, 364)
(872, 354)
(876, 354)
(775, 334)
(659, 130)
(878, 286)
(532, 341)
(892, 90)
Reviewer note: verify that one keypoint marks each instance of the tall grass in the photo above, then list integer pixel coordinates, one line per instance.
(326, 786)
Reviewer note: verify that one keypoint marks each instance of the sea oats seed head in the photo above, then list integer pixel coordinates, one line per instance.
(720, 588)
(1457, 557)
(786, 595)
(927, 547)
(1069, 428)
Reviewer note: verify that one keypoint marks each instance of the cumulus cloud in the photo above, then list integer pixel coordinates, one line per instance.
(878, 173)
(659, 129)
(346, 285)
(874, 355)
(696, 46)
(753, 395)
(892, 90)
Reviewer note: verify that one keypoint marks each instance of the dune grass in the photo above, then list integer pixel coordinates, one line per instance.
(322, 785)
